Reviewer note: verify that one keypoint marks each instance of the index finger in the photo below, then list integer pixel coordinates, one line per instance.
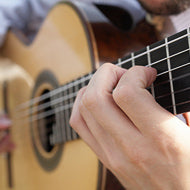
(139, 105)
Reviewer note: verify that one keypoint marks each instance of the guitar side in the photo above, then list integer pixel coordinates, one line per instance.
(67, 46)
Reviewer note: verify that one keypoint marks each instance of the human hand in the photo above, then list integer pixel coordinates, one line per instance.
(6, 145)
(145, 146)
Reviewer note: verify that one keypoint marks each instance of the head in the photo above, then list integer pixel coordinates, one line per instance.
(165, 6)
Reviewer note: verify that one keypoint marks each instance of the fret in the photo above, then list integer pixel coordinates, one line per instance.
(82, 82)
(58, 123)
(188, 32)
(70, 102)
(66, 118)
(133, 60)
(119, 64)
(170, 77)
(62, 115)
(77, 88)
(55, 135)
(72, 90)
(149, 64)
(88, 78)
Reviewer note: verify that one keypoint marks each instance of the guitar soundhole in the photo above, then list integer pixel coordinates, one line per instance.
(45, 125)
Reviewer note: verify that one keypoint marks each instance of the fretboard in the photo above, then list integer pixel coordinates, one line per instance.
(171, 58)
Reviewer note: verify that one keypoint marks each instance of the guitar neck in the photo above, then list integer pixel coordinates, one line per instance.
(171, 89)
(171, 58)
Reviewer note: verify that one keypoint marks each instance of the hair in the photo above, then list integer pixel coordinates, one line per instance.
(167, 7)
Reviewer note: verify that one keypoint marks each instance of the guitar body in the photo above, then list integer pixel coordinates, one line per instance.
(67, 46)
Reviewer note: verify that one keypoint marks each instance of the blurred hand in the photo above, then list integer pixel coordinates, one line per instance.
(6, 144)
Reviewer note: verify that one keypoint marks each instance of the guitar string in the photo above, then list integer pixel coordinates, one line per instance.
(67, 126)
(73, 95)
(76, 82)
(67, 139)
(70, 106)
(59, 109)
(43, 136)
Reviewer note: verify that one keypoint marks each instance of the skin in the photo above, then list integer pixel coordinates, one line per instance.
(144, 145)
(165, 6)
(6, 144)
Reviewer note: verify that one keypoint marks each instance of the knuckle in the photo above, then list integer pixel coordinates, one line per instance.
(93, 99)
(88, 100)
(107, 66)
(124, 93)
(138, 157)
(170, 145)
(73, 121)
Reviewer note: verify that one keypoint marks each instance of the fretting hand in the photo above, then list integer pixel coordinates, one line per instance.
(144, 145)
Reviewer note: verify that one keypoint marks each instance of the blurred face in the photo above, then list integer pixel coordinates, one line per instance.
(165, 6)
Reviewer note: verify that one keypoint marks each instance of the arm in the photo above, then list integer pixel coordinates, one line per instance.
(145, 146)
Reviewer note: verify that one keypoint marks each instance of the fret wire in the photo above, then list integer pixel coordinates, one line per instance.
(66, 119)
(188, 33)
(71, 101)
(35, 100)
(57, 125)
(76, 89)
(63, 131)
(170, 77)
(81, 82)
(133, 59)
(119, 62)
(149, 64)
(54, 136)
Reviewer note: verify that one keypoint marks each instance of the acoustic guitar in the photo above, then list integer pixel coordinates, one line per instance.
(40, 80)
